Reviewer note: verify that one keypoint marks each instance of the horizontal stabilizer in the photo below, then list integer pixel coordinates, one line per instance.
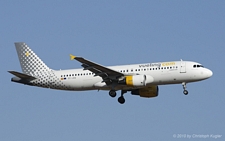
(22, 75)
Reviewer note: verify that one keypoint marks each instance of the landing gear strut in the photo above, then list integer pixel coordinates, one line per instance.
(121, 99)
(184, 87)
(112, 93)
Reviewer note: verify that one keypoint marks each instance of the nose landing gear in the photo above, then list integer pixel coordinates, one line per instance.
(184, 87)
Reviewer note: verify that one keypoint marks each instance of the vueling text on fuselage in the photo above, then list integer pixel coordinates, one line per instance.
(157, 64)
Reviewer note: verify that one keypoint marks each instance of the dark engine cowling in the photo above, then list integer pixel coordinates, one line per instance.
(147, 92)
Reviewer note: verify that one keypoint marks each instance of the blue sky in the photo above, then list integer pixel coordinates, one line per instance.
(112, 33)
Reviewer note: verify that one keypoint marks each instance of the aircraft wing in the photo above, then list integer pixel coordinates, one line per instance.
(108, 75)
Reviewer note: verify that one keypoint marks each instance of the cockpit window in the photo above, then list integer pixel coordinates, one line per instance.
(198, 66)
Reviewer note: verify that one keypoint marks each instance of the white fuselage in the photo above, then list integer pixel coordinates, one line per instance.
(138, 79)
(163, 73)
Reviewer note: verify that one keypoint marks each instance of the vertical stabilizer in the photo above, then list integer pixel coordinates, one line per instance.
(29, 61)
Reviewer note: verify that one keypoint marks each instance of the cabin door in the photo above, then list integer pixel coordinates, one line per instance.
(182, 67)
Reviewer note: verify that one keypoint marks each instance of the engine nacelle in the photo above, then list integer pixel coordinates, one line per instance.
(138, 80)
(151, 91)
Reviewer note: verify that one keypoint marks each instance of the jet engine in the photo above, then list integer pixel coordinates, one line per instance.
(138, 80)
(147, 92)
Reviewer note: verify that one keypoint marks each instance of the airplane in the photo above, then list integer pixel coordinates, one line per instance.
(138, 79)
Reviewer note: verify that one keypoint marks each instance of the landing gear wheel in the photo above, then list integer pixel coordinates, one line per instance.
(121, 100)
(184, 87)
(112, 93)
(185, 92)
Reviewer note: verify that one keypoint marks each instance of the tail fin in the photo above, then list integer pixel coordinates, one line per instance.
(29, 61)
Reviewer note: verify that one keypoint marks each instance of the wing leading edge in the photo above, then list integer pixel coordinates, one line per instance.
(108, 75)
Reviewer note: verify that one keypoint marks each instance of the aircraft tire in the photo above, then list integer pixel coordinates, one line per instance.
(112, 93)
(121, 100)
(185, 92)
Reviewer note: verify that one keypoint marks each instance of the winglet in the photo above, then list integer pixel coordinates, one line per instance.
(72, 57)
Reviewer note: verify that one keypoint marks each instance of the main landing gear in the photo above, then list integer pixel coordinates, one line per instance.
(121, 99)
(184, 87)
(112, 93)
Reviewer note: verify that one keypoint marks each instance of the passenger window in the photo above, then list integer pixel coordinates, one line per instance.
(194, 66)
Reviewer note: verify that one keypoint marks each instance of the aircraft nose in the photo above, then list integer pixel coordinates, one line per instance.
(209, 73)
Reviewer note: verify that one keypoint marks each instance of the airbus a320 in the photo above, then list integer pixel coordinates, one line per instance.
(138, 79)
